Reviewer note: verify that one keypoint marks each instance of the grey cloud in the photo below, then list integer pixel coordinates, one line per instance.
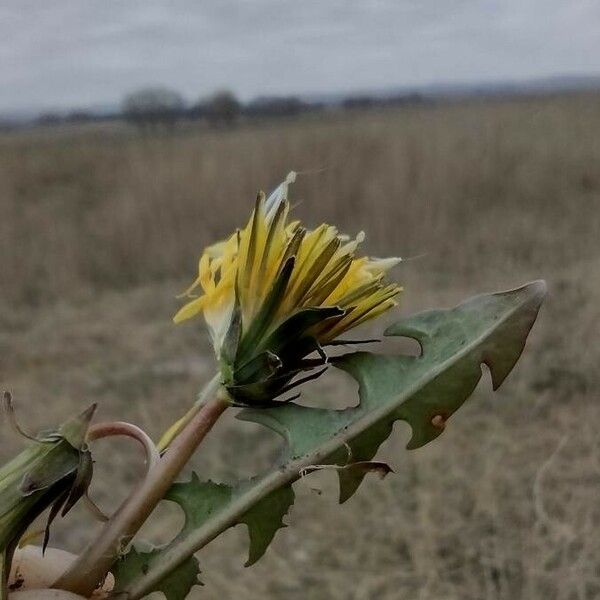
(74, 54)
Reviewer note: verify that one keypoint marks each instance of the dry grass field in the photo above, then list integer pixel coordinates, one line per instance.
(101, 228)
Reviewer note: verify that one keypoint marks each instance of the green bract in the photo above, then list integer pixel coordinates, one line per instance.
(54, 471)
(262, 367)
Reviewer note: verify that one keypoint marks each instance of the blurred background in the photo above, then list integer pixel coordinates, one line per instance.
(464, 136)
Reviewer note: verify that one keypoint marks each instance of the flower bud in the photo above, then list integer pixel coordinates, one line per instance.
(54, 471)
(275, 293)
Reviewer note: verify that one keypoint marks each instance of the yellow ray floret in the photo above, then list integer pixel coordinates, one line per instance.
(326, 272)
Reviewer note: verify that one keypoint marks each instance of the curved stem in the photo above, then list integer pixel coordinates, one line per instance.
(103, 430)
(95, 561)
(116, 428)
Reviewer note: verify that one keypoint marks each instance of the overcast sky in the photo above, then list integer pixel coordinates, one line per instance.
(76, 53)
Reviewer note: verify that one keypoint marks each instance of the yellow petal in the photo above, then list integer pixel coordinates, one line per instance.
(189, 291)
(275, 242)
(206, 274)
(364, 310)
(382, 265)
(191, 309)
(325, 273)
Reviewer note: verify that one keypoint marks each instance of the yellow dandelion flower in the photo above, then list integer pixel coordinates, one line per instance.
(274, 292)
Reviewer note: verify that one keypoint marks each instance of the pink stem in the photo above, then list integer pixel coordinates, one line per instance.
(103, 430)
(96, 560)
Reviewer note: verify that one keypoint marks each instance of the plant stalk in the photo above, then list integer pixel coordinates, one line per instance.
(110, 429)
(95, 561)
(206, 394)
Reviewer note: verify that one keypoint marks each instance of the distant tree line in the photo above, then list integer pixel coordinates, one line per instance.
(162, 107)
(159, 106)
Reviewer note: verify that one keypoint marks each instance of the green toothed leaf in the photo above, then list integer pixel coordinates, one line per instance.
(264, 519)
(424, 391)
(201, 501)
(175, 586)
